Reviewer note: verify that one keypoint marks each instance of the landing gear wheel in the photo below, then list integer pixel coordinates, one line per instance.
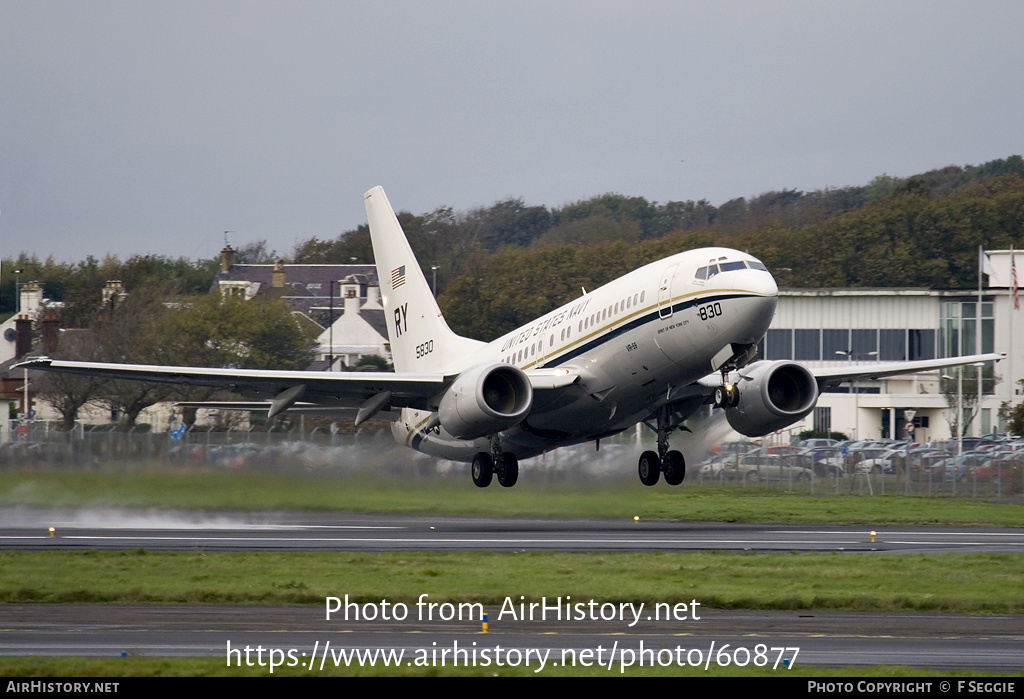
(674, 467)
(720, 397)
(483, 470)
(732, 398)
(508, 470)
(649, 468)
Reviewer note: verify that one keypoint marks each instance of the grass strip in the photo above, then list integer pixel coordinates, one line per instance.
(969, 583)
(219, 491)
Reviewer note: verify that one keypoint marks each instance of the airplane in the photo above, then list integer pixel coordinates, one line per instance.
(651, 347)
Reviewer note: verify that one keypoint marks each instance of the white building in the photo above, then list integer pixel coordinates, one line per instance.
(358, 331)
(30, 304)
(827, 327)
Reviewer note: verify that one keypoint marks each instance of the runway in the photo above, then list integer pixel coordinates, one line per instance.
(303, 637)
(771, 641)
(81, 529)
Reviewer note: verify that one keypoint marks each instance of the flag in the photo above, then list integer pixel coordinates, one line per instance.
(987, 268)
(397, 277)
(1013, 280)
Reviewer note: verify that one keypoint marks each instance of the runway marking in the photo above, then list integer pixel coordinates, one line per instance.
(510, 542)
(421, 539)
(207, 527)
(880, 532)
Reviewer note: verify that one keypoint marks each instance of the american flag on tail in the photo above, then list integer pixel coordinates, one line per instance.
(397, 277)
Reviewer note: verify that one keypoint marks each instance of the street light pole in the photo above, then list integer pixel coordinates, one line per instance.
(330, 333)
(17, 291)
(853, 385)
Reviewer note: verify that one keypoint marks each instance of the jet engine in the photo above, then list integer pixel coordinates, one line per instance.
(485, 400)
(772, 395)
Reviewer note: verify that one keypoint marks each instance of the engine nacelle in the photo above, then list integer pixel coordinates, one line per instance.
(485, 400)
(772, 396)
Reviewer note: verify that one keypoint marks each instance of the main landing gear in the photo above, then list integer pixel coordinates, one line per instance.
(504, 465)
(671, 463)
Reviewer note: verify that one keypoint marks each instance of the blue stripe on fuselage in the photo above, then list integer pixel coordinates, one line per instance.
(653, 316)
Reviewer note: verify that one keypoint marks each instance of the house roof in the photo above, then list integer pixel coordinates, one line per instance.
(300, 280)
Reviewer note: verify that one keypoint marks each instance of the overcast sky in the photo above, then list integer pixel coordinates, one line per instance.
(142, 126)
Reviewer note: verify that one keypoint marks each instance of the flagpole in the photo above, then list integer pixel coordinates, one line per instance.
(1013, 294)
(978, 333)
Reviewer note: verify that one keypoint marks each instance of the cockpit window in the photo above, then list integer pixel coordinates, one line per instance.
(712, 270)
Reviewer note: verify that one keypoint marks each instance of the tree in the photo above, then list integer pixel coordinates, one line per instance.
(134, 330)
(965, 392)
(229, 331)
(151, 326)
(1014, 415)
(69, 393)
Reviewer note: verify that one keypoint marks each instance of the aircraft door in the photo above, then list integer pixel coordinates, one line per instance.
(665, 292)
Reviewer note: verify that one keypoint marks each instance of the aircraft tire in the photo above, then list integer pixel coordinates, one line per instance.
(674, 467)
(649, 468)
(720, 397)
(732, 398)
(508, 470)
(483, 469)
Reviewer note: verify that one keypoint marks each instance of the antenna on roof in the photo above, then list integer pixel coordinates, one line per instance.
(226, 237)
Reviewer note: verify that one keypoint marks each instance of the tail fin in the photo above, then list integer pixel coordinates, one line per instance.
(421, 340)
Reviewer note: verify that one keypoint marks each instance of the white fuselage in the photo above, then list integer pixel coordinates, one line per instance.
(633, 342)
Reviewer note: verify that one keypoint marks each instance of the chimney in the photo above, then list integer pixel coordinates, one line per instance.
(373, 297)
(51, 334)
(31, 298)
(227, 258)
(112, 293)
(278, 275)
(350, 290)
(23, 343)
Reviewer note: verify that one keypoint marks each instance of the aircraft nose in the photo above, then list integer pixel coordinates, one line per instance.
(752, 281)
(761, 283)
(759, 307)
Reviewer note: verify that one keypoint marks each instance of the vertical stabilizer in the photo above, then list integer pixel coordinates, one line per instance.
(421, 340)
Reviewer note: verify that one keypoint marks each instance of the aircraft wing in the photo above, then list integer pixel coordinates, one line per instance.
(303, 407)
(356, 394)
(373, 390)
(831, 376)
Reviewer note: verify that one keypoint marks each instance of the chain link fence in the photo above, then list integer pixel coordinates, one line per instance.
(43, 446)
